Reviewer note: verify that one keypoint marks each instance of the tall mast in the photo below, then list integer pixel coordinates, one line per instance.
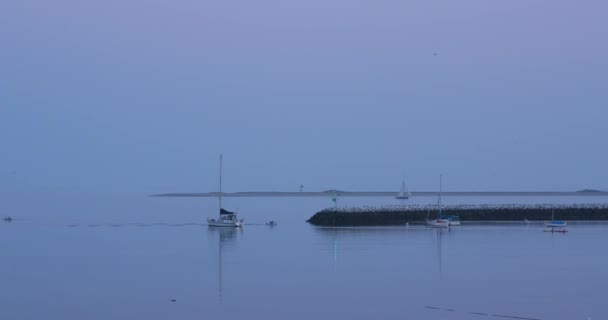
(220, 194)
(439, 200)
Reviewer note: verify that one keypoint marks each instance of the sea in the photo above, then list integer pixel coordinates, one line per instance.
(131, 256)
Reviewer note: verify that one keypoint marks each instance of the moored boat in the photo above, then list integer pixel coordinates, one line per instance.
(555, 223)
(454, 220)
(227, 218)
(439, 222)
(557, 230)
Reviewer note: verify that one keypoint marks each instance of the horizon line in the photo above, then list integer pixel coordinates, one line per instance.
(379, 193)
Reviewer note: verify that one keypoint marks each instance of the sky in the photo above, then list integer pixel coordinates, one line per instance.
(142, 96)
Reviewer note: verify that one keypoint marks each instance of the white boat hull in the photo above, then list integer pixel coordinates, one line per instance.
(454, 223)
(556, 225)
(230, 224)
(438, 223)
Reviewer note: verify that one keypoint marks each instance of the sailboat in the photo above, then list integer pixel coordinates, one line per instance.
(226, 218)
(439, 222)
(404, 194)
(555, 223)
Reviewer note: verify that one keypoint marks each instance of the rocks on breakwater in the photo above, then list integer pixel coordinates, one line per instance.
(398, 215)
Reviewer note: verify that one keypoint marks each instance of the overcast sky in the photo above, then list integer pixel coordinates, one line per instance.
(142, 96)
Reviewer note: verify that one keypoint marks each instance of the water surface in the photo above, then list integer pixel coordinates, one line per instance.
(129, 256)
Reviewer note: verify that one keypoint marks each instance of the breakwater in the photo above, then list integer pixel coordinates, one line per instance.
(398, 215)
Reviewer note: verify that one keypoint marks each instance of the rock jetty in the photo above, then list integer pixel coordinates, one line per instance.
(399, 215)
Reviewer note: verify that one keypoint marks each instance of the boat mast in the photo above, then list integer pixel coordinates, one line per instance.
(220, 194)
(439, 198)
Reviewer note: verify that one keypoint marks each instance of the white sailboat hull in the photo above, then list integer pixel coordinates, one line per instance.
(230, 224)
(555, 223)
(552, 224)
(454, 223)
(438, 223)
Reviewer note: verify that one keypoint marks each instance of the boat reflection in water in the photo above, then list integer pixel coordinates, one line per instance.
(438, 233)
(227, 237)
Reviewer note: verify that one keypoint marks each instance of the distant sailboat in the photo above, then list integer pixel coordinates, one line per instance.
(555, 223)
(227, 218)
(439, 222)
(404, 193)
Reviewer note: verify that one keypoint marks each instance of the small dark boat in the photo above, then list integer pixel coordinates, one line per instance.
(8, 219)
(554, 230)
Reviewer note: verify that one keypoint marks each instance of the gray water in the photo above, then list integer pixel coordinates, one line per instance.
(129, 256)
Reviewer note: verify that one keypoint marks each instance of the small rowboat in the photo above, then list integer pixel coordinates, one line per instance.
(554, 230)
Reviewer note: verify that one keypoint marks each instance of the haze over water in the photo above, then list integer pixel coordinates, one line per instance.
(126, 257)
(104, 102)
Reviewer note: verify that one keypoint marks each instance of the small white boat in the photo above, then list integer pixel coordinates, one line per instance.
(454, 220)
(438, 223)
(404, 194)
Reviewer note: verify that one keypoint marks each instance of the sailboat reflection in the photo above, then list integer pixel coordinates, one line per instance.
(227, 237)
(439, 236)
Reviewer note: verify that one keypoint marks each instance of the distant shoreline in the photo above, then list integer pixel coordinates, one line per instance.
(391, 194)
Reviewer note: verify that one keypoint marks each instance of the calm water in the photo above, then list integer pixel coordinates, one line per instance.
(126, 257)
